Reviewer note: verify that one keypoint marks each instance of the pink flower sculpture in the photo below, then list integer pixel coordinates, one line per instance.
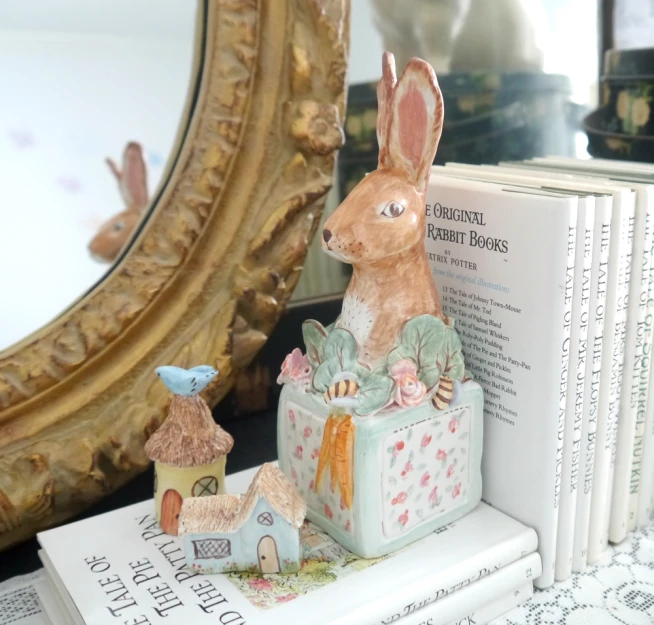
(295, 369)
(410, 391)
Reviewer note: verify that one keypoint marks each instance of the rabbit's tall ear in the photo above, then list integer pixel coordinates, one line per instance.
(384, 106)
(134, 183)
(416, 122)
(115, 170)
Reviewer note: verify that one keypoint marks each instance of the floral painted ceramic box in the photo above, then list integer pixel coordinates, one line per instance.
(380, 481)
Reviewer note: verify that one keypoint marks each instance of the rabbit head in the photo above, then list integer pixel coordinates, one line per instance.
(384, 215)
(132, 184)
(112, 235)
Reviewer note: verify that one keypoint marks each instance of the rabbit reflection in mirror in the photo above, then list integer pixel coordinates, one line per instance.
(380, 226)
(463, 35)
(132, 184)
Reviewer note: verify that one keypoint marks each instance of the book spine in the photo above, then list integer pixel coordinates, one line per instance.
(435, 587)
(548, 552)
(646, 481)
(498, 607)
(467, 605)
(630, 405)
(611, 379)
(638, 456)
(576, 388)
(446, 602)
(646, 503)
(646, 499)
(602, 239)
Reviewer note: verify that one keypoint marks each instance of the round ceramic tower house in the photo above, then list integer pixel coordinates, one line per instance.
(189, 450)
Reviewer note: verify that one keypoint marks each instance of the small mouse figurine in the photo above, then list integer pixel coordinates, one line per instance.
(132, 183)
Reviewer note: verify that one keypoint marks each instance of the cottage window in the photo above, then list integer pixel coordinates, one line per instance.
(212, 548)
(265, 518)
(205, 486)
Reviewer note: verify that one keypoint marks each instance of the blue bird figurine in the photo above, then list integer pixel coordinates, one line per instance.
(186, 382)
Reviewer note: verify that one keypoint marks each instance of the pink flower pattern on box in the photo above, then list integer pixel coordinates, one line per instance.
(426, 469)
(304, 437)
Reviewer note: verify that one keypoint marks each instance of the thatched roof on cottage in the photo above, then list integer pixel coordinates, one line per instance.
(215, 513)
(228, 513)
(189, 437)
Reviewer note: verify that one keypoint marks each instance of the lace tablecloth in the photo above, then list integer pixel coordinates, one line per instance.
(20, 603)
(618, 590)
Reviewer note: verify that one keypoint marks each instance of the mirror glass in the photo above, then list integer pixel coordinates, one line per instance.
(91, 102)
(517, 77)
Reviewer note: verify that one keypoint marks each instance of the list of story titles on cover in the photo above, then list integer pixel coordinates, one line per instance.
(481, 320)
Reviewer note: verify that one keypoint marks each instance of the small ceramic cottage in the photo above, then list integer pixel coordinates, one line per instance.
(379, 425)
(189, 450)
(257, 532)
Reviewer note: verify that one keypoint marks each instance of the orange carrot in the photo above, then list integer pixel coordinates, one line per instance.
(343, 457)
(333, 469)
(325, 451)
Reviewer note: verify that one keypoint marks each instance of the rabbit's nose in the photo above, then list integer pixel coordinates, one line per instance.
(326, 235)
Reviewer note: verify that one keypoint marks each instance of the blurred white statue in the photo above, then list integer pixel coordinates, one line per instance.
(462, 35)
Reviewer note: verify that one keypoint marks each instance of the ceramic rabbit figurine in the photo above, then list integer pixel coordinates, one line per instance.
(132, 183)
(380, 227)
(388, 376)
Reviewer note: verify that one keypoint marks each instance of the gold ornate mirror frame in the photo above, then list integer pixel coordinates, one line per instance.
(208, 274)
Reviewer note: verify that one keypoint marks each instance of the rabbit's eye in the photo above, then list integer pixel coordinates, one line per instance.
(117, 227)
(393, 209)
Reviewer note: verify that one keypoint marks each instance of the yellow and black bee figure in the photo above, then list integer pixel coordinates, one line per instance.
(343, 391)
(443, 395)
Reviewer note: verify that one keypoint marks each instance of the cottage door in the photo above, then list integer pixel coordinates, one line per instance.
(171, 504)
(268, 558)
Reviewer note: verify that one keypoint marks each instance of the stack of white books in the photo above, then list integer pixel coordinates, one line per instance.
(120, 568)
(545, 268)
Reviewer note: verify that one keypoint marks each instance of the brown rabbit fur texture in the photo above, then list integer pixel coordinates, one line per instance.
(132, 184)
(380, 227)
